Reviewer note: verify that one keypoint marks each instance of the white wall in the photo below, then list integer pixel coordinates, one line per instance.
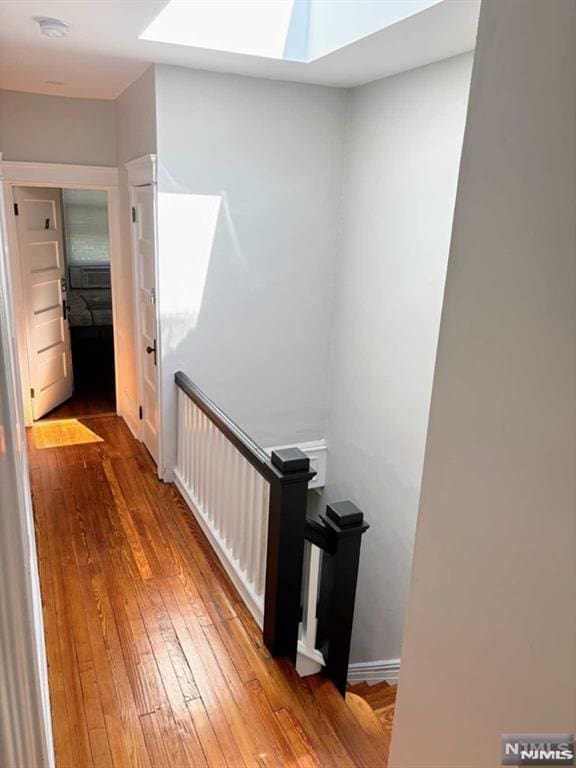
(404, 141)
(490, 628)
(250, 182)
(136, 129)
(136, 118)
(55, 129)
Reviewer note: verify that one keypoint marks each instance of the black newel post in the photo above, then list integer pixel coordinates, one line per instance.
(344, 528)
(286, 527)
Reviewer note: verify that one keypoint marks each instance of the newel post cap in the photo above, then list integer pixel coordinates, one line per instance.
(346, 517)
(290, 460)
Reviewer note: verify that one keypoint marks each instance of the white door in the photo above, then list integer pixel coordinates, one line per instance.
(144, 246)
(43, 269)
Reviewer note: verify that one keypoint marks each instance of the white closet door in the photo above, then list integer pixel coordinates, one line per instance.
(41, 250)
(144, 248)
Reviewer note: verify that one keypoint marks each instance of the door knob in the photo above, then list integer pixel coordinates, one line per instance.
(151, 350)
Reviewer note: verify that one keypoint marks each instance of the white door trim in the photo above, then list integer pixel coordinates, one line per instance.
(59, 174)
(16, 174)
(142, 172)
(25, 701)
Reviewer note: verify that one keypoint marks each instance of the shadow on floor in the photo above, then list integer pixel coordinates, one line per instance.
(94, 379)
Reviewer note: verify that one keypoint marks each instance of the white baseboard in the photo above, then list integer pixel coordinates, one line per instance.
(254, 602)
(374, 671)
(128, 410)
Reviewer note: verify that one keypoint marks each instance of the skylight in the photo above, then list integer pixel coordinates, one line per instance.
(275, 29)
(293, 30)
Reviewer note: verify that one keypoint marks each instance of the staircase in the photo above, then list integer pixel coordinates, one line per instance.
(381, 697)
(296, 575)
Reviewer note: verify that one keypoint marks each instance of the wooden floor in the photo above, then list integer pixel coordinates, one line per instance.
(153, 659)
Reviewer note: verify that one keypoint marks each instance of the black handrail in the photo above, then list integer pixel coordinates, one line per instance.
(288, 472)
(251, 451)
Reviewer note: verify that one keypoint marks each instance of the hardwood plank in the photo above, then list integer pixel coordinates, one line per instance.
(206, 734)
(212, 686)
(48, 572)
(296, 737)
(65, 621)
(345, 724)
(369, 722)
(121, 717)
(153, 658)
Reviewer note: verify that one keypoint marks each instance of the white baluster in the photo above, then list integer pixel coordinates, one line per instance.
(196, 451)
(180, 406)
(229, 492)
(263, 537)
(241, 510)
(186, 446)
(180, 431)
(203, 447)
(254, 527)
(213, 469)
(311, 597)
(220, 444)
(249, 505)
(208, 470)
(235, 528)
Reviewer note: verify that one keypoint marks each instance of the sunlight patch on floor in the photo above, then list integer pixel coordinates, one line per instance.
(62, 432)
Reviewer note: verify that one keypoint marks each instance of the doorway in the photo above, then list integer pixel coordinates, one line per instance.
(65, 274)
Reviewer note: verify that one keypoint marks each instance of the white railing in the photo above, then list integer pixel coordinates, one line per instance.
(309, 659)
(230, 499)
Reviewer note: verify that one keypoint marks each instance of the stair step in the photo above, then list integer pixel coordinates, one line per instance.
(371, 724)
(359, 688)
(380, 695)
(357, 736)
(386, 716)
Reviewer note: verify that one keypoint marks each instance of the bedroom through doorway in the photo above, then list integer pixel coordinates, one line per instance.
(64, 255)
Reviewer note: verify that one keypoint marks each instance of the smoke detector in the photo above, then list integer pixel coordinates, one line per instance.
(52, 27)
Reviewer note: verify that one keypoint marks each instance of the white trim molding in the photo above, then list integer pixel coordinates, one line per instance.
(58, 174)
(374, 671)
(141, 171)
(14, 173)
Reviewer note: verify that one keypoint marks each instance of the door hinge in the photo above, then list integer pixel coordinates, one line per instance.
(16, 211)
(133, 214)
(32, 392)
(140, 414)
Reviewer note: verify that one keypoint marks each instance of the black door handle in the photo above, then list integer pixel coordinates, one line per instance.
(151, 350)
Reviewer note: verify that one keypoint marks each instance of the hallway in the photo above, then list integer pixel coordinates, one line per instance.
(153, 659)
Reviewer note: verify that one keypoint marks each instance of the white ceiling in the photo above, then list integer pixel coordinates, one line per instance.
(103, 54)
